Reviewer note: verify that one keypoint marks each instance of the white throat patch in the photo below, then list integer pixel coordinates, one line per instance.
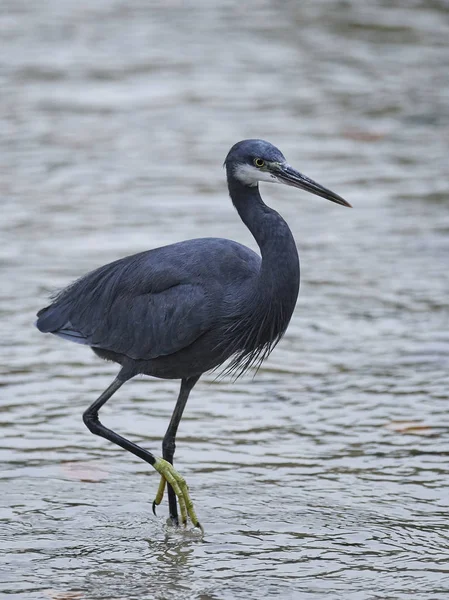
(249, 175)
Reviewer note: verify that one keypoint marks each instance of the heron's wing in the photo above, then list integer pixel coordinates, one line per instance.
(152, 325)
(138, 306)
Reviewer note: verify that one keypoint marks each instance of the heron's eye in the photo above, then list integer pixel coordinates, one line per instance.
(259, 162)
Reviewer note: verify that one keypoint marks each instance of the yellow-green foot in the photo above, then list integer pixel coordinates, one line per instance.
(179, 485)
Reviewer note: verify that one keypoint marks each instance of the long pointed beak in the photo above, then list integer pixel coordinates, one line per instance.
(288, 175)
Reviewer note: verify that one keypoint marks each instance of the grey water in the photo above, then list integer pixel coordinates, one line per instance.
(327, 474)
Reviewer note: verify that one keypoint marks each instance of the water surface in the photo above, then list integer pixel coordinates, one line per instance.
(327, 475)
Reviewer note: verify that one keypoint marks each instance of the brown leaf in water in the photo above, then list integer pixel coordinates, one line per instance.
(84, 471)
(362, 136)
(410, 427)
(55, 595)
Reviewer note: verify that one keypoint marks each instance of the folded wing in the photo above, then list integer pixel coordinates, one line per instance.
(139, 306)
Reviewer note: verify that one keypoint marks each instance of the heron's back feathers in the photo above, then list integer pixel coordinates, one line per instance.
(154, 303)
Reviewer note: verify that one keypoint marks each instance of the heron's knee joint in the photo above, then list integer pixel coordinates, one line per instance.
(91, 421)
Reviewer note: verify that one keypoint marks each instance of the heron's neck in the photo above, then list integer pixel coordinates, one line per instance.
(280, 262)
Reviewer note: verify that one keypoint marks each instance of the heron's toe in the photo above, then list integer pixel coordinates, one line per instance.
(179, 485)
(159, 494)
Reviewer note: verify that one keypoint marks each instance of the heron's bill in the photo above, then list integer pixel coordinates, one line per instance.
(290, 176)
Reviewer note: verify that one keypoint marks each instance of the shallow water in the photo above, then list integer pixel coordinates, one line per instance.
(327, 475)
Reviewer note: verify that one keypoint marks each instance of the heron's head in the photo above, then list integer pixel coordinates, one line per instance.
(251, 161)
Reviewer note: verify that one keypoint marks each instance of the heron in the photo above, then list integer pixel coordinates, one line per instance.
(177, 311)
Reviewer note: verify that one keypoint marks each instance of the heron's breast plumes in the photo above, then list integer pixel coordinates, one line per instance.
(250, 338)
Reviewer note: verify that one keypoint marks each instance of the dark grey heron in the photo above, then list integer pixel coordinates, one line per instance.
(178, 311)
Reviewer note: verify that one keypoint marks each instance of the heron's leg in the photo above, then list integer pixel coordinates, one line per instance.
(169, 445)
(90, 418)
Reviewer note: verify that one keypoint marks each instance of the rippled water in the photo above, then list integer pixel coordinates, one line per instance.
(327, 475)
